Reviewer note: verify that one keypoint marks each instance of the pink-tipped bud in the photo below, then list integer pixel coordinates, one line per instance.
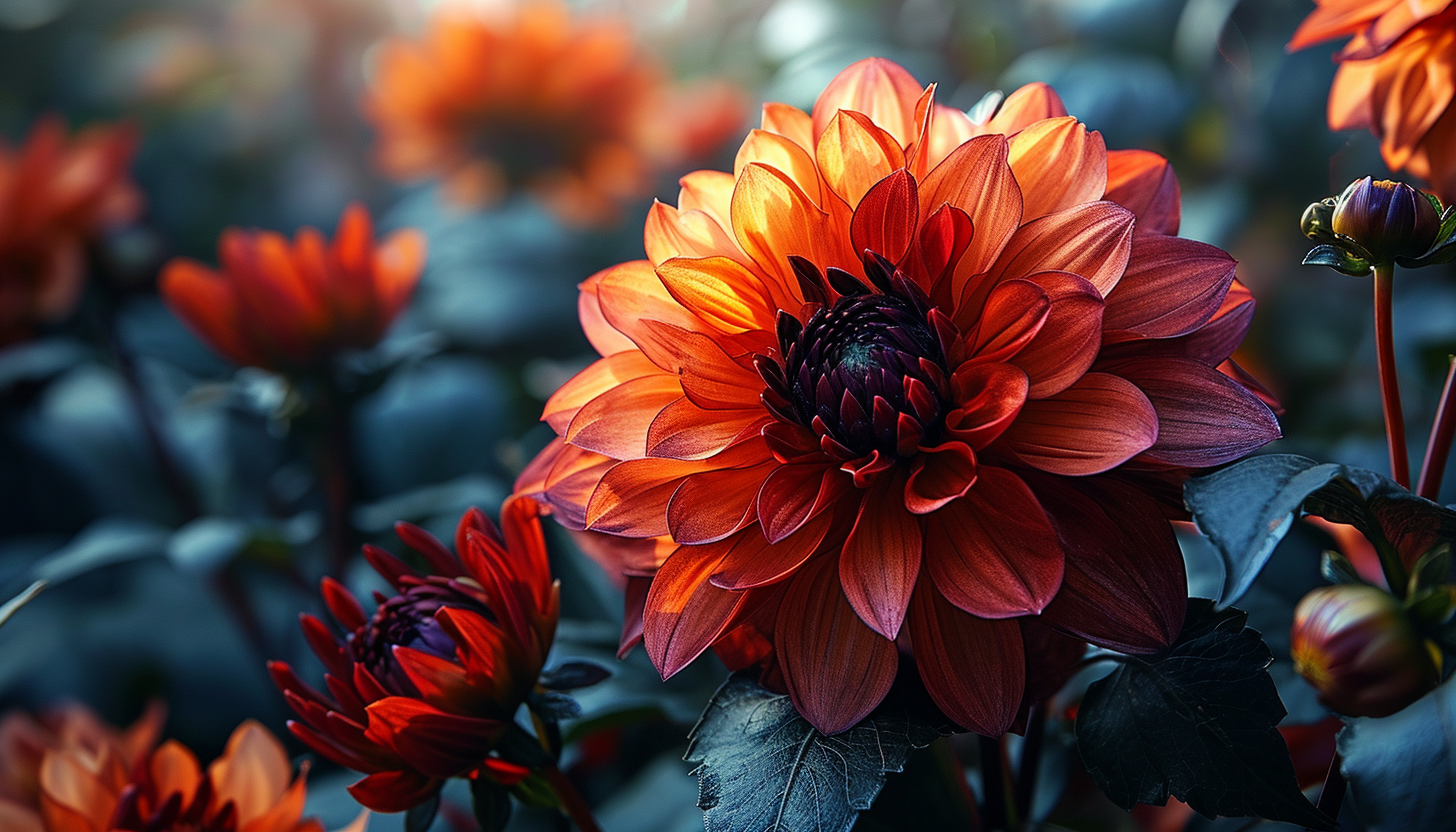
(1358, 648)
(1388, 219)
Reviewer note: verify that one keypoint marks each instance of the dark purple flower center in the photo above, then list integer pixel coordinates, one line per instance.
(867, 371)
(408, 620)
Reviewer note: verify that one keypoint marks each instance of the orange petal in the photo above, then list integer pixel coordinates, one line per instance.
(685, 431)
(685, 613)
(604, 338)
(1093, 240)
(1066, 345)
(1095, 425)
(784, 155)
(632, 298)
(599, 377)
(174, 769)
(1144, 183)
(205, 301)
(615, 422)
(977, 180)
(712, 505)
(721, 291)
(1058, 164)
(773, 219)
(671, 232)
(876, 87)
(1024, 107)
(789, 122)
(751, 561)
(853, 154)
(836, 669)
(709, 191)
(253, 770)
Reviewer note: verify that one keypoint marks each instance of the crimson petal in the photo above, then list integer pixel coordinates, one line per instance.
(972, 667)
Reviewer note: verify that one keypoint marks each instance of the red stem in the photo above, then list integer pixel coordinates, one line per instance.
(571, 800)
(1389, 386)
(1443, 430)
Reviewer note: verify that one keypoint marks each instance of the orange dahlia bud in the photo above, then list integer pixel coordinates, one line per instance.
(901, 380)
(57, 195)
(1358, 648)
(293, 307)
(1387, 219)
(423, 689)
(539, 99)
(95, 779)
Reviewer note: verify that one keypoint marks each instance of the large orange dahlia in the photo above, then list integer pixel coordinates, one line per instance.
(1395, 79)
(904, 385)
(424, 688)
(537, 98)
(57, 195)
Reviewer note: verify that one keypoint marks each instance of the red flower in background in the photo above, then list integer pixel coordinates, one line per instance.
(540, 99)
(1394, 79)
(904, 382)
(292, 307)
(57, 194)
(422, 690)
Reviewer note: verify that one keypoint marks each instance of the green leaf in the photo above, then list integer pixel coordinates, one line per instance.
(1195, 722)
(763, 768)
(1402, 768)
(1246, 509)
(1338, 259)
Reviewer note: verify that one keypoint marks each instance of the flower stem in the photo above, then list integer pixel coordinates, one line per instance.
(1030, 760)
(995, 808)
(571, 800)
(1443, 430)
(336, 471)
(1389, 386)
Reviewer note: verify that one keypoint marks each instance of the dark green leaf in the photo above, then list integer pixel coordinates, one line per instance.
(1402, 768)
(553, 705)
(1337, 569)
(763, 768)
(1338, 259)
(1246, 508)
(1196, 722)
(491, 803)
(419, 818)
(573, 675)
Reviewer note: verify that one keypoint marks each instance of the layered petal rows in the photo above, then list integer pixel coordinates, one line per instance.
(1397, 79)
(421, 690)
(903, 385)
(292, 307)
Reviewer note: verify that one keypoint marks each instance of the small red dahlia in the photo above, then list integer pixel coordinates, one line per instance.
(421, 690)
(904, 385)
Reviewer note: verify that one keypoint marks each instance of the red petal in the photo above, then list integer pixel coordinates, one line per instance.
(939, 475)
(792, 494)
(973, 668)
(1204, 417)
(1171, 287)
(1093, 426)
(993, 552)
(1144, 183)
(1093, 240)
(435, 743)
(752, 561)
(1066, 345)
(881, 558)
(713, 505)
(1125, 586)
(685, 613)
(976, 179)
(990, 396)
(836, 669)
(886, 219)
(394, 791)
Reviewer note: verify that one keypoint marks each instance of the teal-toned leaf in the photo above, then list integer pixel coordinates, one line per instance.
(1195, 722)
(104, 542)
(763, 768)
(1402, 768)
(9, 608)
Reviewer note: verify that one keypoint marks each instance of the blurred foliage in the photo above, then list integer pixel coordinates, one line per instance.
(249, 114)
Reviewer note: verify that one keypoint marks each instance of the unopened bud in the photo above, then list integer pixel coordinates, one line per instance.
(1357, 647)
(1387, 219)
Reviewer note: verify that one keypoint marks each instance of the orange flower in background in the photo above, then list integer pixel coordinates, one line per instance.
(57, 194)
(91, 778)
(423, 689)
(904, 381)
(1395, 79)
(293, 307)
(25, 740)
(561, 105)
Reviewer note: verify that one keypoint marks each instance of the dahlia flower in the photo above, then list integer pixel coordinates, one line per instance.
(422, 690)
(904, 385)
(293, 307)
(91, 778)
(1394, 79)
(541, 100)
(57, 194)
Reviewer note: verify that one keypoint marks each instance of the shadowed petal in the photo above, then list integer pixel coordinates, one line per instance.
(1171, 287)
(836, 669)
(751, 561)
(887, 216)
(881, 557)
(394, 791)
(993, 552)
(1093, 240)
(973, 668)
(940, 475)
(434, 743)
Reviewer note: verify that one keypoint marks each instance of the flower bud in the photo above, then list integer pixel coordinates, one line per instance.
(1356, 646)
(1387, 219)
